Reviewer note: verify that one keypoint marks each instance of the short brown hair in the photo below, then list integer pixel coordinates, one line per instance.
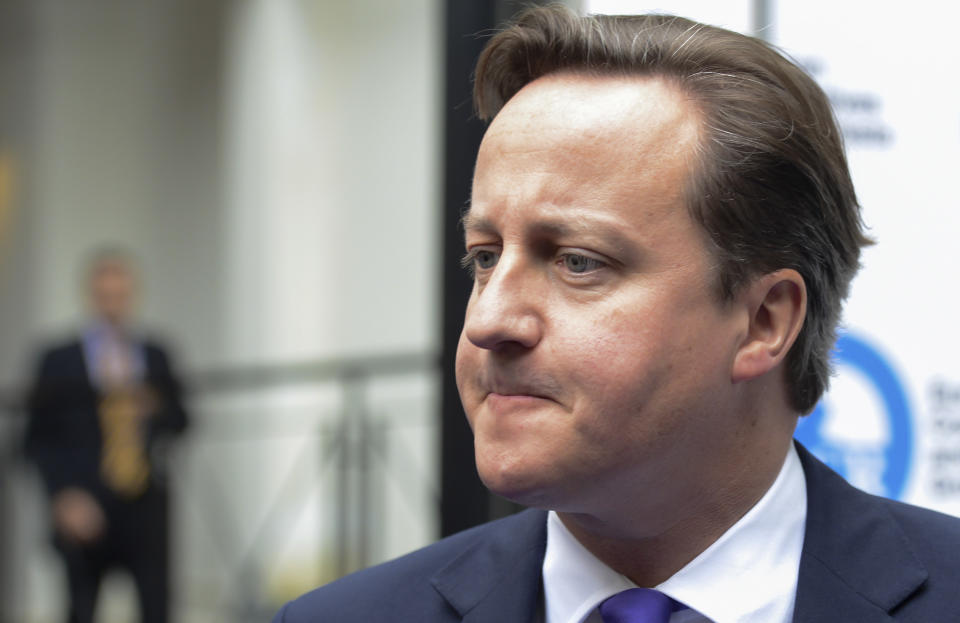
(771, 188)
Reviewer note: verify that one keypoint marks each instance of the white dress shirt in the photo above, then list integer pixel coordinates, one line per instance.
(111, 356)
(748, 575)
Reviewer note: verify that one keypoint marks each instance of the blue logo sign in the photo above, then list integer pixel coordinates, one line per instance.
(877, 461)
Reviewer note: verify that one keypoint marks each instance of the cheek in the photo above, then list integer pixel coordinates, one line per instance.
(623, 368)
(466, 355)
(466, 369)
(610, 351)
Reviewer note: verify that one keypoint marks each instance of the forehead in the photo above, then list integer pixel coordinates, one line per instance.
(582, 143)
(110, 269)
(609, 116)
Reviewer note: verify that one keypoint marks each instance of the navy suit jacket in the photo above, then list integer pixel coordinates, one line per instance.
(864, 559)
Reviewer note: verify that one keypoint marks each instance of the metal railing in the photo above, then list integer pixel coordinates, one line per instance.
(290, 476)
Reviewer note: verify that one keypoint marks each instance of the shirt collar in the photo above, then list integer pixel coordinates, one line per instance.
(748, 575)
(98, 329)
(93, 338)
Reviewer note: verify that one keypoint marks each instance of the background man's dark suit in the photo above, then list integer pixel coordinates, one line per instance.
(64, 439)
(864, 559)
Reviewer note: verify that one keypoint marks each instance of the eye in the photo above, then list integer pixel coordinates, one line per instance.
(576, 263)
(480, 259)
(485, 259)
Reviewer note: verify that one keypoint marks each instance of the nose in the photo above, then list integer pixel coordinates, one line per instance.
(504, 311)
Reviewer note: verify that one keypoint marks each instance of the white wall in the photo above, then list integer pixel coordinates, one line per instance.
(332, 135)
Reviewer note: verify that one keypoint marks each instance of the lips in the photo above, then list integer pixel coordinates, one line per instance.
(516, 389)
(503, 404)
(518, 393)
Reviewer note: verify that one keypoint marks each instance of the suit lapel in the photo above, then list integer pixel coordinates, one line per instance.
(857, 563)
(497, 580)
(79, 366)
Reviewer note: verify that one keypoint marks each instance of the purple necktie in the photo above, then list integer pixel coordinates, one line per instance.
(639, 605)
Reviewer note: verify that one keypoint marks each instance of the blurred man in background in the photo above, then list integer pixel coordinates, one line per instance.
(102, 410)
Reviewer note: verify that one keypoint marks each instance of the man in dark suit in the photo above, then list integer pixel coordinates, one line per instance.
(102, 410)
(662, 232)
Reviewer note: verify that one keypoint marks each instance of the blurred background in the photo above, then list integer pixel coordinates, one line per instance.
(289, 174)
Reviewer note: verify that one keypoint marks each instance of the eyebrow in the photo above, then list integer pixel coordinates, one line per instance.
(471, 222)
(555, 228)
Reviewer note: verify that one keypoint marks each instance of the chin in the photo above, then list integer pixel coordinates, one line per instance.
(525, 488)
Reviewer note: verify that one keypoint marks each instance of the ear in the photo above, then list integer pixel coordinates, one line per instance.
(777, 304)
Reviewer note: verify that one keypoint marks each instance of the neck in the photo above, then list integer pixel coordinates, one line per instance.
(648, 546)
(118, 325)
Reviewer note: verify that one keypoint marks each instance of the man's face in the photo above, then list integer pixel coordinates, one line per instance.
(112, 291)
(595, 357)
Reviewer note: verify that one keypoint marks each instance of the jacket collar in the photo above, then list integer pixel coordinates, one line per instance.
(857, 563)
(497, 578)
